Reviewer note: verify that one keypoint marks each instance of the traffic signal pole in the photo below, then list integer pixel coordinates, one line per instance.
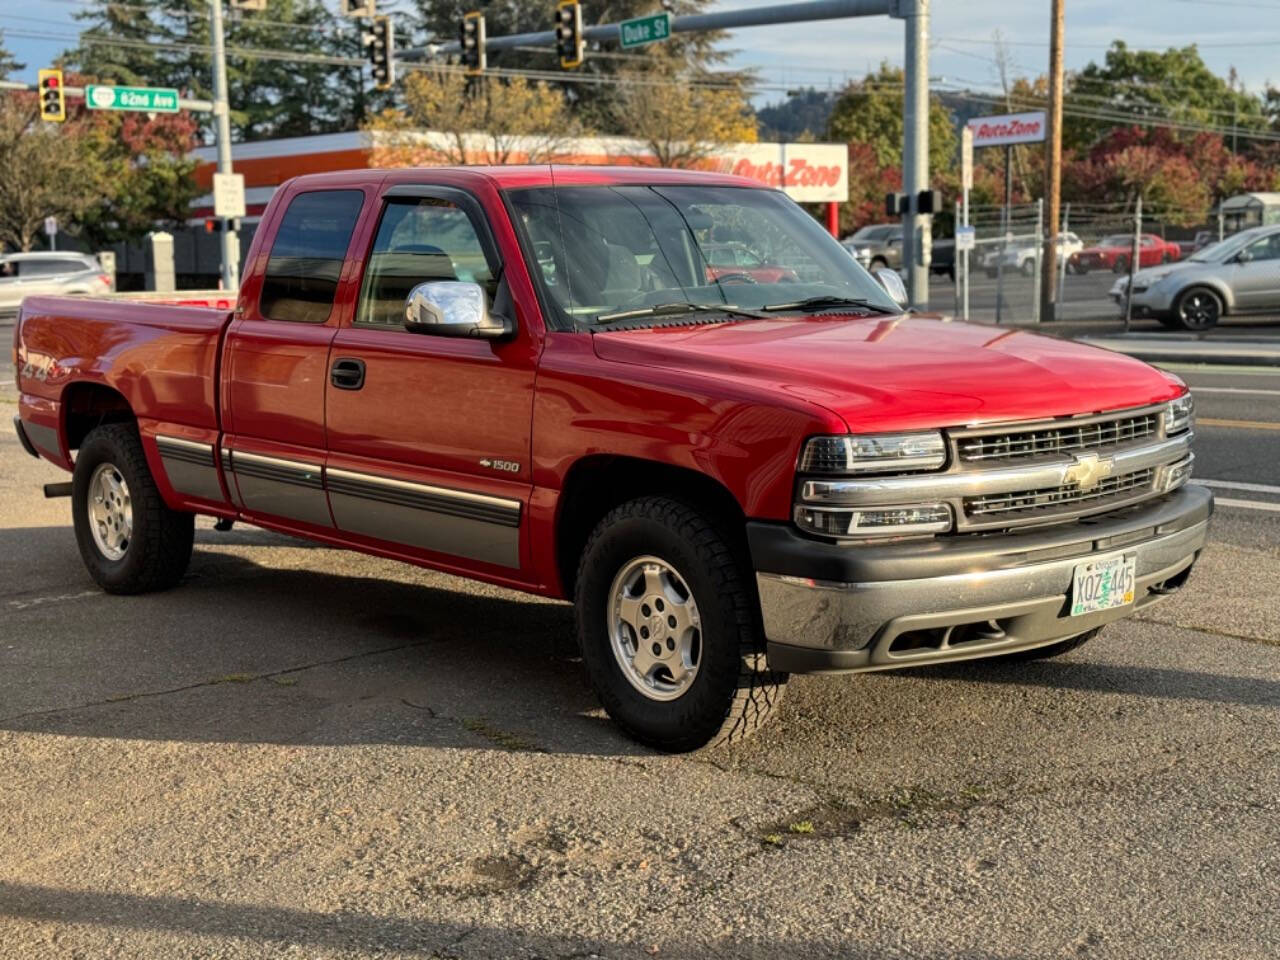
(915, 147)
(222, 132)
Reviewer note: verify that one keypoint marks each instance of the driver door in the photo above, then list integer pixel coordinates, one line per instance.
(429, 436)
(1256, 275)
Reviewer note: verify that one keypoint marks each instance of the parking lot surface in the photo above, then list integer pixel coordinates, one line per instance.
(302, 751)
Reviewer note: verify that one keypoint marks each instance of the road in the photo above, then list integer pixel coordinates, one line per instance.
(308, 752)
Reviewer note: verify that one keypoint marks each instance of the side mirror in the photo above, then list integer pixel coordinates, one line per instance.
(893, 286)
(451, 308)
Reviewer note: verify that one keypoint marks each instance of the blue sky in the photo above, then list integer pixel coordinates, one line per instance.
(1243, 33)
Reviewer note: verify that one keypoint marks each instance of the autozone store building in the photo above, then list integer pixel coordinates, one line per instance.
(808, 172)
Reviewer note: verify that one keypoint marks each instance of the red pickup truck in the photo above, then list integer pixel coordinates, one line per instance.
(525, 375)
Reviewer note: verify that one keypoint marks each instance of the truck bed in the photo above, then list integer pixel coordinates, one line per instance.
(162, 358)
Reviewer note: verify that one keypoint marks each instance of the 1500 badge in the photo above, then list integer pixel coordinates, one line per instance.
(503, 466)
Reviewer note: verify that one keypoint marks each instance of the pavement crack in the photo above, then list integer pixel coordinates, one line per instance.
(1211, 631)
(213, 682)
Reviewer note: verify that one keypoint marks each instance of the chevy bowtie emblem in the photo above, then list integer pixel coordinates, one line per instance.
(1087, 471)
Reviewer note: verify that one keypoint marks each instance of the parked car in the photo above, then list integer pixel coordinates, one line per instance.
(1114, 253)
(736, 263)
(521, 375)
(32, 274)
(877, 245)
(1239, 275)
(1021, 256)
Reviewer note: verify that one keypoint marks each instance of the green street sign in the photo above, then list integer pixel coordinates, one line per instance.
(143, 99)
(642, 30)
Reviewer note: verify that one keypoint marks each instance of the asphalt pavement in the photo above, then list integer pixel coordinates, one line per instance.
(308, 752)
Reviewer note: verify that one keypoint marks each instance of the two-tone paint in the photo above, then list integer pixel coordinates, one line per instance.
(239, 417)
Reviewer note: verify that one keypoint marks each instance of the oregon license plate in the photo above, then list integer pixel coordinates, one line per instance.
(1103, 584)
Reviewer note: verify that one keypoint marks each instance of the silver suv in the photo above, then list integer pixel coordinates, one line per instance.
(28, 274)
(1240, 274)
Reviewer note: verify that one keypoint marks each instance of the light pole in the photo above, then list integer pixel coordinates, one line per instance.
(222, 134)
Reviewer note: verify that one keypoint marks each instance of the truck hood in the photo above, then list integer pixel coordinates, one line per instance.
(900, 373)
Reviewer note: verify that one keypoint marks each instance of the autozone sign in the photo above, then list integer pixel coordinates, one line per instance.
(807, 172)
(1008, 128)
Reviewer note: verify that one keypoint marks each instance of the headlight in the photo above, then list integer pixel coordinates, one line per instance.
(874, 453)
(875, 521)
(1179, 415)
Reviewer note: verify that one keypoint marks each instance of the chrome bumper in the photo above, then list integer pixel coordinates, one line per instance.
(1000, 594)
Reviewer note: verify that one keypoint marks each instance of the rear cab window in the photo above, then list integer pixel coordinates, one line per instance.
(305, 263)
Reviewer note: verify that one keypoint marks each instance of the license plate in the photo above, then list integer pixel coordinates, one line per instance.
(1103, 584)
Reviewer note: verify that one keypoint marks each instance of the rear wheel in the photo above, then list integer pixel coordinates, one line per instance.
(1054, 649)
(669, 628)
(1197, 309)
(1028, 267)
(129, 540)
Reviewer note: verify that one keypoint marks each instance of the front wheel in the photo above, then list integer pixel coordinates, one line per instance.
(1198, 309)
(669, 628)
(130, 541)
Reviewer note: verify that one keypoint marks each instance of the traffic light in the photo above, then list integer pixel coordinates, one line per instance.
(380, 39)
(359, 8)
(569, 33)
(471, 37)
(53, 99)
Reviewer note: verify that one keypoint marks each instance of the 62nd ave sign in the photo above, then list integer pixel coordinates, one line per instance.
(143, 99)
(642, 30)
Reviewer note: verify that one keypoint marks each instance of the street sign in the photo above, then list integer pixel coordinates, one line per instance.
(1008, 129)
(228, 195)
(142, 99)
(642, 30)
(966, 158)
(966, 238)
(50, 226)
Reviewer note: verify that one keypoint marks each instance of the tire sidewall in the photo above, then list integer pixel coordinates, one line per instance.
(1191, 292)
(704, 704)
(106, 447)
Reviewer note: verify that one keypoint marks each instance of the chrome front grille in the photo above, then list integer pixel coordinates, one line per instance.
(1047, 501)
(1053, 439)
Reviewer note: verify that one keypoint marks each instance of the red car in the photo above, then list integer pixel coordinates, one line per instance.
(523, 376)
(735, 263)
(1114, 253)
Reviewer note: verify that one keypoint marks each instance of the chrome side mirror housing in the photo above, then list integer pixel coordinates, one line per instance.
(893, 285)
(452, 308)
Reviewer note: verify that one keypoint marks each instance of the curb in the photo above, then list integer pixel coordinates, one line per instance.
(1246, 354)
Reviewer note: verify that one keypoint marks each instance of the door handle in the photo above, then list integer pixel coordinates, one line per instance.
(347, 373)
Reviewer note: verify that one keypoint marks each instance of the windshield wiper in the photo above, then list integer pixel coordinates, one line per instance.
(822, 303)
(671, 309)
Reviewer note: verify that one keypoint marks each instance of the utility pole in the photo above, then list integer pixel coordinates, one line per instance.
(222, 133)
(917, 238)
(1053, 163)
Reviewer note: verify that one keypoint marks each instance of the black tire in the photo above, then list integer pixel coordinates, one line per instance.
(1028, 268)
(878, 262)
(156, 555)
(732, 693)
(1054, 649)
(1197, 308)
(1121, 265)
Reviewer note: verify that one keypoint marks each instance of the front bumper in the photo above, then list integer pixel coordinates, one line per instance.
(831, 607)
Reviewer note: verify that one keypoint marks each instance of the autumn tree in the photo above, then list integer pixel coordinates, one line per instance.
(46, 170)
(680, 112)
(447, 120)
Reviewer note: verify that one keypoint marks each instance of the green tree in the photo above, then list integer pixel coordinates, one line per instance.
(288, 86)
(1171, 85)
(8, 65)
(870, 111)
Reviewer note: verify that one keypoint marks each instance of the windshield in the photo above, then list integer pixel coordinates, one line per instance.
(1117, 240)
(1224, 248)
(606, 251)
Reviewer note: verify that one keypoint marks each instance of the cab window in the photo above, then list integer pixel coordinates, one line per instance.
(307, 255)
(420, 240)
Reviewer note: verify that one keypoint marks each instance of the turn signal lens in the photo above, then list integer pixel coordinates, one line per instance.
(875, 521)
(1179, 415)
(874, 453)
